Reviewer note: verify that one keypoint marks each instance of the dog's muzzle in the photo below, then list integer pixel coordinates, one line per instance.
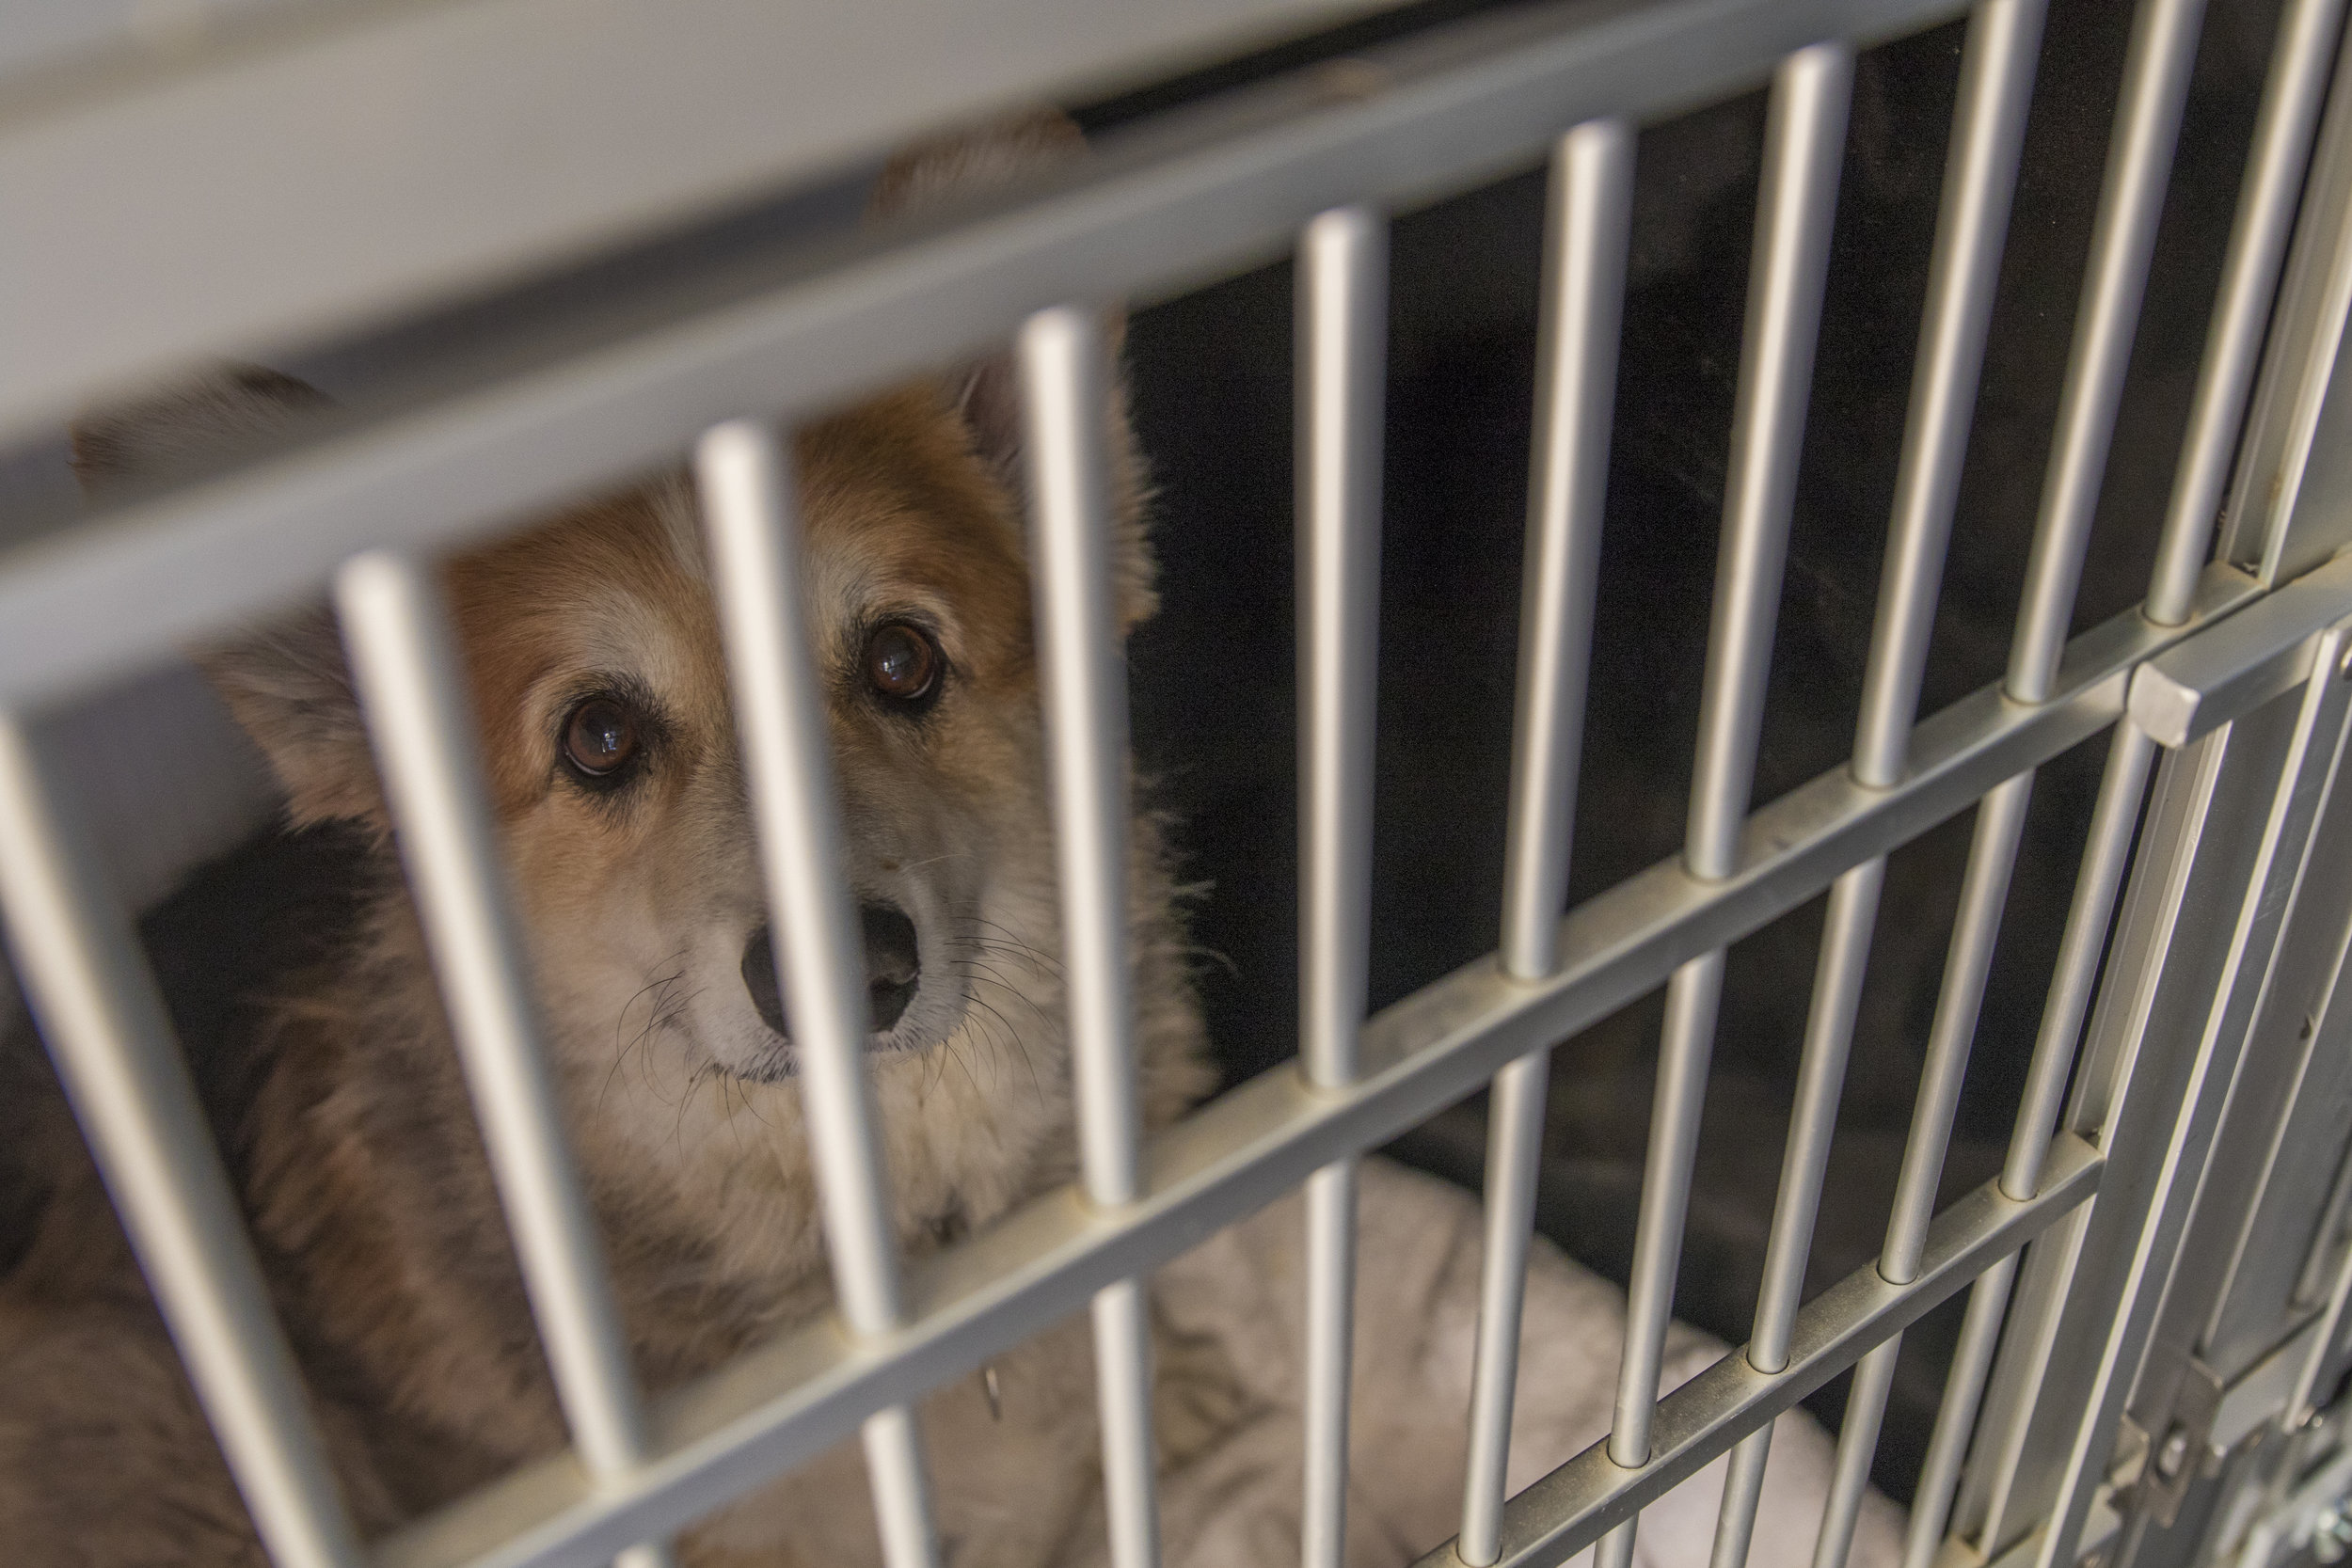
(892, 969)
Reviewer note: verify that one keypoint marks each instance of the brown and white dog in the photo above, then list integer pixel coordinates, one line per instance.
(595, 674)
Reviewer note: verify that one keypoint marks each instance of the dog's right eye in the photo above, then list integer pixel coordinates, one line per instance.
(902, 664)
(600, 738)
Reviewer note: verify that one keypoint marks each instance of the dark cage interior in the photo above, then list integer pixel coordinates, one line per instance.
(1212, 677)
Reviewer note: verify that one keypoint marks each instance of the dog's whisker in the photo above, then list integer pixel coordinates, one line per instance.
(654, 1019)
(1017, 941)
(1020, 1047)
(974, 970)
(995, 1031)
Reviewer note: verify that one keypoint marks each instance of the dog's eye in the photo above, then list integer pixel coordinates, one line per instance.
(902, 663)
(600, 738)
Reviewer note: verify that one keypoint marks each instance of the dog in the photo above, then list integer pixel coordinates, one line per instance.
(592, 653)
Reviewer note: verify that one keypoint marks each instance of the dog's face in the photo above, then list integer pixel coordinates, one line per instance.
(594, 647)
(606, 725)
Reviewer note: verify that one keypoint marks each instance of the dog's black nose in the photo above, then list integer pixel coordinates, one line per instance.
(892, 968)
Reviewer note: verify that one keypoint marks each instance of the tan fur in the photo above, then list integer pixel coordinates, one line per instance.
(368, 1186)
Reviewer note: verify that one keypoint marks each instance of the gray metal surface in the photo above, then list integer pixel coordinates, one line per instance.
(1568, 1509)
(1065, 380)
(2139, 159)
(1342, 336)
(2303, 63)
(247, 187)
(1587, 227)
(1996, 75)
(2230, 829)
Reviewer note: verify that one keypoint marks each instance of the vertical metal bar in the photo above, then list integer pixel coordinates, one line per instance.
(2139, 159)
(1688, 1040)
(2304, 1403)
(1853, 904)
(1331, 1357)
(1342, 349)
(1996, 74)
(1803, 147)
(1805, 141)
(1064, 370)
(403, 666)
(1515, 1137)
(1992, 855)
(1743, 1491)
(1857, 1442)
(106, 1027)
(1956, 1413)
(1122, 1351)
(745, 479)
(2105, 853)
(1589, 223)
(2300, 67)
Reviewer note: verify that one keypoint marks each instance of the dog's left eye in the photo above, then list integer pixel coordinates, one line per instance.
(600, 738)
(902, 663)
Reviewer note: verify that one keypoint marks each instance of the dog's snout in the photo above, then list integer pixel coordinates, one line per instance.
(893, 968)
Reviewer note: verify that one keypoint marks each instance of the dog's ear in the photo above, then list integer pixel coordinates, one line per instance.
(192, 426)
(987, 394)
(286, 682)
(939, 170)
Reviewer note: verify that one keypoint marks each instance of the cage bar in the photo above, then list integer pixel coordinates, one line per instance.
(2107, 851)
(1803, 147)
(1805, 144)
(405, 669)
(1342, 348)
(1857, 1442)
(1514, 1142)
(2139, 162)
(1983, 891)
(1588, 224)
(2301, 64)
(745, 479)
(1064, 376)
(1846, 928)
(1956, 1413)
(1996, 74)
(106, 1029)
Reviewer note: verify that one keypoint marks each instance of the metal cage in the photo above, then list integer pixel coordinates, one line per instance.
(2188, 1094)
